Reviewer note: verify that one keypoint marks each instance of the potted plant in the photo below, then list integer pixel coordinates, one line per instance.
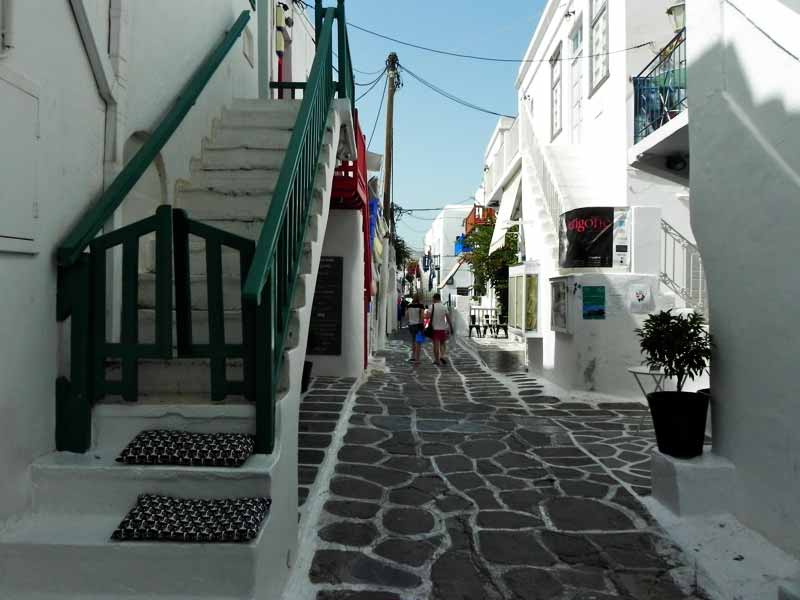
(681, 347)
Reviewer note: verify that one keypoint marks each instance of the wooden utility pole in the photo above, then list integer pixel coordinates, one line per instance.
(393, 84)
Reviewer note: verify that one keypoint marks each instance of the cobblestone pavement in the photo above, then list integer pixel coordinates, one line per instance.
(456, 484)
(320, 411)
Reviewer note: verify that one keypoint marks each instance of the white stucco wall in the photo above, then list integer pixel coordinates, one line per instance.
(441, 239)
(344, 237)
(69, 159)
(596, 354)
(161, 60)
(745, 138)
(163, 42)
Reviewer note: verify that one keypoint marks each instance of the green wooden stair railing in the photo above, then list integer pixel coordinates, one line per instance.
(269, 288)
(82, 277)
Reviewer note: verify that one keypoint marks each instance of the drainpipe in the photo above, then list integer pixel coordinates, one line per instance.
(6, 27)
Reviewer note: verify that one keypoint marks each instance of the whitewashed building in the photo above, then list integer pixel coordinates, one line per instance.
(449, 272)
(562, 168)
(741, 134)
(134, 133)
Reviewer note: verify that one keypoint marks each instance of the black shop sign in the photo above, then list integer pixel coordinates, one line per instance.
(325, 329)
(586, 237)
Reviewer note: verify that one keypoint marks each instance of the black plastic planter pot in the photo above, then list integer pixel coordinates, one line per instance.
(306, 376)
(679, 419)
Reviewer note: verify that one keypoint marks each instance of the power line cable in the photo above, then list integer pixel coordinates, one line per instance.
(377, 79)
(335, 54)
(486, 58)
(765, 33)
(453, 97)
(372, 87)
(380, 110)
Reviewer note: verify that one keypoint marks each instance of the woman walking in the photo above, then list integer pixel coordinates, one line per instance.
(441, 327)
(414, 313)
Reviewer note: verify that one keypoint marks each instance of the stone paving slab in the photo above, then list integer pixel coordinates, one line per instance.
(460, 484)
(320, 410)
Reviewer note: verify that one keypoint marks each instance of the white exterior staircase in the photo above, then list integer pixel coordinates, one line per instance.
(62, 548)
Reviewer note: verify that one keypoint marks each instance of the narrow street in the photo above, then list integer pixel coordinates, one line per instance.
(458, 483)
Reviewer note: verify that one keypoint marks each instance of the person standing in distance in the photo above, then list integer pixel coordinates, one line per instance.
(441, 327)
(414, 313)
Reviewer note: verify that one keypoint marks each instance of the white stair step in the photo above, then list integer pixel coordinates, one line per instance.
(267, 105)
(72, 557)
(248, 137)
(249, 228)
(231, 292)
(201, 204)
(277, 115)
(114, 425)
(256, 181)
(232, 324)
(239, 159)
(62, 482)
(231, 266)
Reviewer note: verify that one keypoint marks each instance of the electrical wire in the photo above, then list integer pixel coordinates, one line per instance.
(380, 110)
(489, 58)
(763, 32)
(452, 97)
(485, 58)
(372, 87)
(374, 81)
(335, 54)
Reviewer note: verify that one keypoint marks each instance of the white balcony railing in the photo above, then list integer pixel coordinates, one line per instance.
(511, 144)
(504, 157)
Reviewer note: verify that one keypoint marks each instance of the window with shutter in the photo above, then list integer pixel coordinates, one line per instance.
(599, 43)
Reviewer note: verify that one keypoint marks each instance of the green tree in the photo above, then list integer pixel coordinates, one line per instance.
(402, 252)
(492, 268)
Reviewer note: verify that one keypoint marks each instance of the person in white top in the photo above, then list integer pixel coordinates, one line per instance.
(440, 320)
(414, 314)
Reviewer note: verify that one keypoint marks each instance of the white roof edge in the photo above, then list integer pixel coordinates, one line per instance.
(541, 28)
(500, 127)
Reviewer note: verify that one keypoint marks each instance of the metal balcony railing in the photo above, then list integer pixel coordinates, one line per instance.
(659, 91)
(682, 268)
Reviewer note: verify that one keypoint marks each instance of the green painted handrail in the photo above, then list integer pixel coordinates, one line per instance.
(96, 216)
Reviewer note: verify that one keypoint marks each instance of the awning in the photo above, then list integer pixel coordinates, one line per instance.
(508, 205)
(374, 162)
(452, 273)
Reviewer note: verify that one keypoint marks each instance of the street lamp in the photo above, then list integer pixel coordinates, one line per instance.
(677, 14)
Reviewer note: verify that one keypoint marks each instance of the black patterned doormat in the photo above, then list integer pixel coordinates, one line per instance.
(166, 519)
(182, 448)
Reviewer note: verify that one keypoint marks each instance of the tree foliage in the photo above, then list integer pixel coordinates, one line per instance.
(491, 268)
(401, 251)
(679, 345)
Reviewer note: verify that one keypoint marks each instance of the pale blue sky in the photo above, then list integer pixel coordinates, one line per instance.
(439, 145)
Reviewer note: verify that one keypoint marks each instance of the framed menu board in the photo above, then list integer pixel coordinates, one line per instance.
(325, 329)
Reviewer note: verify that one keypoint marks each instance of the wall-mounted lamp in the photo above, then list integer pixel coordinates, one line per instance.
(677, 14)
(569, 14)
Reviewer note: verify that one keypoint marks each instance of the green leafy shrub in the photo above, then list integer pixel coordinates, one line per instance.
(680, 345)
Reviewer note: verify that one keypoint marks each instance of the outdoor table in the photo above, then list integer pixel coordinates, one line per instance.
(657, 376)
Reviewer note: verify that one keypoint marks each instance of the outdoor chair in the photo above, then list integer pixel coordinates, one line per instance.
(487, 325)
(502, 325)
(473, 324)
